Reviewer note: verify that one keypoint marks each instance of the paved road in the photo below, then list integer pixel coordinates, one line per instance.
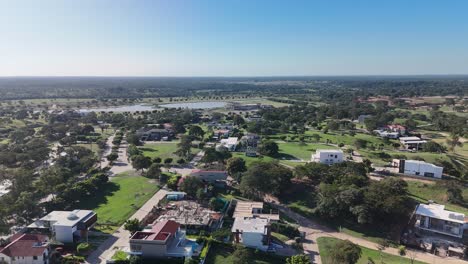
(314, 231)
(120, 239)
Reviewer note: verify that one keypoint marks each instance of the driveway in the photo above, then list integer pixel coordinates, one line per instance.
(120, 239)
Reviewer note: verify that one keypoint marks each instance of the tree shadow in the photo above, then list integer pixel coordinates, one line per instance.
(99, 197)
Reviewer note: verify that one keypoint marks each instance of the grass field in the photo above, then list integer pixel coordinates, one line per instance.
(120, 199)
(436, 192)
(326, 243)
(250, 160)
(222, 254)
(296, 150)
(162, 150)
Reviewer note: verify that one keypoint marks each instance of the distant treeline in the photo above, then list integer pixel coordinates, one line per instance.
(326, 88)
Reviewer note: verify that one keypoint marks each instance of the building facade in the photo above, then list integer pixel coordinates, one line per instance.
(418, 168)
(434, 218)
(328, 156)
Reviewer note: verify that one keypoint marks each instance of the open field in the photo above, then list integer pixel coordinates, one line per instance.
(121, 198)
(162, 150)
(296, 150)
(222, 254)
(326, 243)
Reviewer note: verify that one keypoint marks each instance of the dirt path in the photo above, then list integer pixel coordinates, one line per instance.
(120, 238)
(313, 231)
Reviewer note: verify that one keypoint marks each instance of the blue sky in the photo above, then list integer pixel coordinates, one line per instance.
(232, 37)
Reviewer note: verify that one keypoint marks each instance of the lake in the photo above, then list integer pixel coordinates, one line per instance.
(120, 109)
(196, 105)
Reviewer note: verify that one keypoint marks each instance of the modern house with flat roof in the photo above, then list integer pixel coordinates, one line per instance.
(412, 142)
(328, 156)
(164, 240)
(230, 143)
(434, 218)
(252, 209)
(418, 168)
(67, 226)
(252, 232)
(26, 249)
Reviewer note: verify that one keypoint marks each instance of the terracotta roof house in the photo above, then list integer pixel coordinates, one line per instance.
(164, 240)
(26, 248)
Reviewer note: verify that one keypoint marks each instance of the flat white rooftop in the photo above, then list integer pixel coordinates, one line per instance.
(4, 187)
(409, 138)
(250, 224)
(329, 151)
(438, 211)
(63, 218)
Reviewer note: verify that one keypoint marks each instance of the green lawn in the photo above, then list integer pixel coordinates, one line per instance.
(326, 243)
(162, 150)
(250, 160)
(120, 199)
(222, 254)
(436, 192)
(296, 150)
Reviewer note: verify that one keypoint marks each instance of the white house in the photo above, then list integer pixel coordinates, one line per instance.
(434, 218)
(26, 249)
(67, 226)
(328, 156)
(253, 232)
(5, 187)
(230, 143)
(418, 168)
(412, 142)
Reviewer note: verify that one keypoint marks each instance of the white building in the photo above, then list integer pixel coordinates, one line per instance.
(418, 168)
(4, 187)
(412, 142)
(252, 232)
(328, 156)
(230, 143)
(26, 249)
(434, 218)
(67, 226)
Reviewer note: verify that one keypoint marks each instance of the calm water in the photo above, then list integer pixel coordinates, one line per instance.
(197, 105)
(125, 108)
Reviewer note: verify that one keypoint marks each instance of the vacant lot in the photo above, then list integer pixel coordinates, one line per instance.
(163, 150)
(326, 243)
(121, 198)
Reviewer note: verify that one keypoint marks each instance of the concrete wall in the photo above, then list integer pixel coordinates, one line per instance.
(64, 234)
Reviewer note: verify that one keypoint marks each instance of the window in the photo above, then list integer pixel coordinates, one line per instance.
(35, 257)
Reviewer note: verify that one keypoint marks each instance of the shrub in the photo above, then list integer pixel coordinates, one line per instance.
(83, 248)
(402, 250)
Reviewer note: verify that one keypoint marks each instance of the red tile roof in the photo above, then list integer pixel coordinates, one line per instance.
(165, 228)
(161, 231)
(26, 245)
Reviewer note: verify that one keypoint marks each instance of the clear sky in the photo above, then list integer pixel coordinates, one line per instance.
(232, 37)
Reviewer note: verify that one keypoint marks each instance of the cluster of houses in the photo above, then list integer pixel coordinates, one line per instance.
(157, 132)
(32, 246)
